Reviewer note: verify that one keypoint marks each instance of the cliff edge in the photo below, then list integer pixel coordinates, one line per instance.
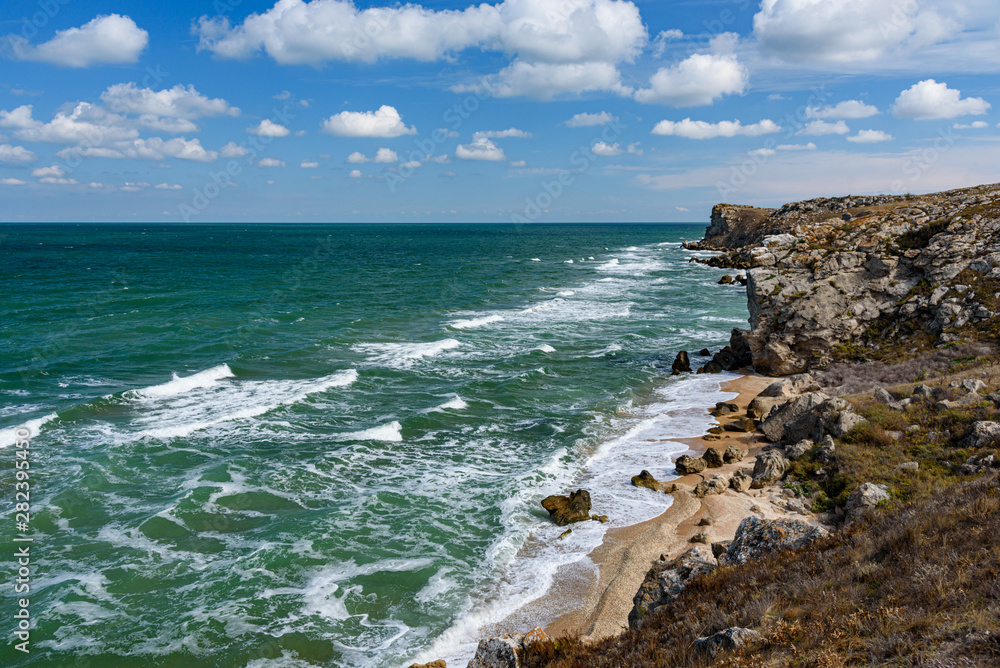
(858, 278)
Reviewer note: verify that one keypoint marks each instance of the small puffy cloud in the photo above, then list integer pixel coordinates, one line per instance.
(847, 109)
(130, 187)
(12, 182)
(777, 97)
(9, 153)
(384, 123)
(95, 184)
(502, 134)
(355, 174)
(168, 186)
(517, 164)
(480, 149)
(704, 130)
(54, 170)
(176, 102)
(606, 150)
(386, 156)
(111, 39)
(634, 149)
(156, 148)
(440, 159)
(586, 120)
(269, 128)
(308, 164)
(762, 153)
(58, 181)
(820, 128)
(412, 164)
(270, 162)
(233, 150)
(869, 137)
(547, 80)
(699, 80)
(929, 99)
(357, 158)
(975, 125)
(797, 147)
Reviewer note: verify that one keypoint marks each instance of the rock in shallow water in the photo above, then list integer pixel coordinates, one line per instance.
(646, 479)
(568, 509)
(506, 651)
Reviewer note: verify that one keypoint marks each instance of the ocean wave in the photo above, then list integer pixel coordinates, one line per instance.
(404, 355)
(8, 437)
(179, 385)
(391, 432)
(473, 323)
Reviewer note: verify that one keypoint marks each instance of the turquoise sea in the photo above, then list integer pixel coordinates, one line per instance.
(294, 445)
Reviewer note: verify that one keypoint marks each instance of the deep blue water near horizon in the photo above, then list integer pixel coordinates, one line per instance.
(296, 445)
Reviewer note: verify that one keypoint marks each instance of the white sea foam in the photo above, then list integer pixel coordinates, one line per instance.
(180, 415)
(179, 385)
(404, 355)
(546, 348)
(536, 259)
(455, 404)
(391, 432)
(10, 436)
(473, 323)
(567, 261)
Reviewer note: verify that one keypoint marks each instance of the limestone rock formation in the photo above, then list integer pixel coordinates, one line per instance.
(568, 509)
(725, 641)
(716, 485)
(646, 479)
(769, 468)
(757, 537)
(864, 498)
(741, 481)
(666, 580)
(506, 651)
(440, 663)
(733, 454)
(686, 464)
(713, 458)
(860, 270)
(984, 433)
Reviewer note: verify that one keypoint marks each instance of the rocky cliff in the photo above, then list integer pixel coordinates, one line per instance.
(863, 277)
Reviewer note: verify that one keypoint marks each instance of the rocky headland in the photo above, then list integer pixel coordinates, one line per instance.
(845, 510)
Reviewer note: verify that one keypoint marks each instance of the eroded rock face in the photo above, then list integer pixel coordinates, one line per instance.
(686, 464)
(810, 416)
(682, 364)
(757, 537)
(713, 458)
(733, 454)
(506, 651)
(666, 580)
(716, 485)
(769, 468)
(984, 433)
(725, 641)
(568, 509)
(646, 479)
(892, 269)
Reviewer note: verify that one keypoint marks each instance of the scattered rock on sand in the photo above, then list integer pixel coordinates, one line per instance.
(745, 425)
(716, 485)
(757, 537)
(724, 408)
(568, 509)
(769, 468)
(506, 651)
(741, 481)
(686, 464)
(725, 641)
(646, 479)
(733, 454)
(713, 458)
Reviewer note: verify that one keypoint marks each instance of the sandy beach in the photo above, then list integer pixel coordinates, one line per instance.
(601, 589)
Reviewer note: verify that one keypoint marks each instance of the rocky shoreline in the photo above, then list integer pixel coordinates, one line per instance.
(845, 295)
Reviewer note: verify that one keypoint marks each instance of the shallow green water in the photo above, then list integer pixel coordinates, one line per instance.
(325, 445)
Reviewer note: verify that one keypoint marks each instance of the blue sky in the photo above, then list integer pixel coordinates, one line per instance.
(523, 110)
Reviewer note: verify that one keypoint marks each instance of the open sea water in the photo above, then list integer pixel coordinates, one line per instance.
(299, 445)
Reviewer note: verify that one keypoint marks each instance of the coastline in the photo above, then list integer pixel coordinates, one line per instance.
(617, 567)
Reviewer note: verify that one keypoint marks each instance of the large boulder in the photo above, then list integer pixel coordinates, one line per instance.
(796, 450)
(741, 481)
(810, 416)
(646, 479)
(733, 454)
(568, 509)
(682, 363)
(789, 388)
(716, 485)
(713, 458)
(791, 412)
(864, 498)
(506, 651)
(983, 434)
(686, 464)
(725, 641)
(769, 468)
(666, 580)
(758, 537)
(760, 406)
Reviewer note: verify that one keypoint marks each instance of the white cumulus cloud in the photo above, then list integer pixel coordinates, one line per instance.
(585, 120)
(384, 123)
(177, 102)
(929, 99)
(699, 80)
(111, 39)
(9, 153)
(704, 130)
(270, 162)
(547, 80)
(386, 156)
(975, 125)
(480, 149)
(355, 174)
(13, 182)
(502, 134)
(308, 164)
(54, 170)
(268, 128)
(357, 158)
(845, 109)
(168, 186)
(606, 150)
(869, 137)
(233, 150)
